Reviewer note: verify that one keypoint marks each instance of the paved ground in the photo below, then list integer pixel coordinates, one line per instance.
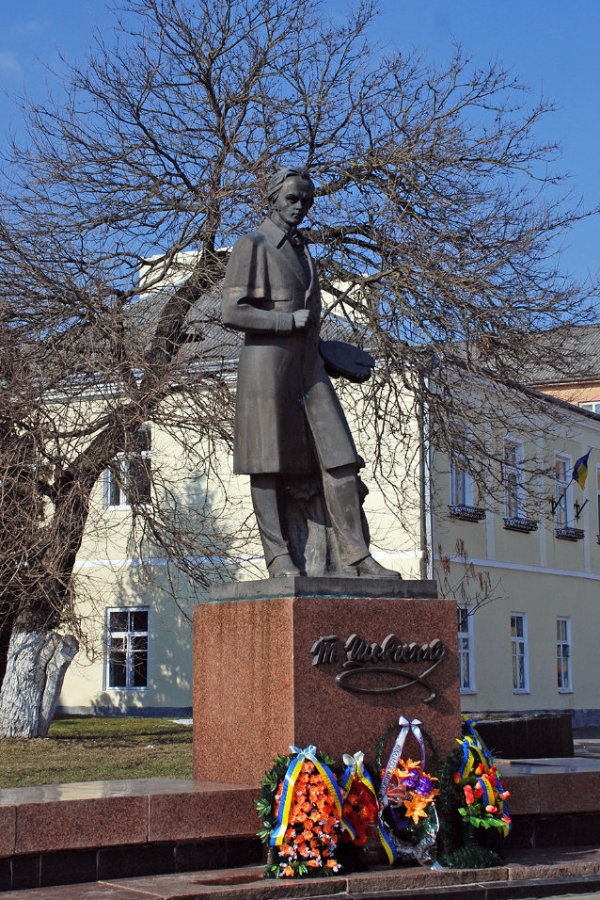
(594, 895)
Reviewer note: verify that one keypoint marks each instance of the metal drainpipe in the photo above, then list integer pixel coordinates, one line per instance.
(426, 497)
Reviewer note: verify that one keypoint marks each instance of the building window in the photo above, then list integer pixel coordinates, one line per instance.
(461, 491)
(466, 649)
(563, 654)
(513, 473)
(128, 480)
(461, 482)
(593, 406)
(562, 491)
(127, 657)
(520, 663)
(514, 491)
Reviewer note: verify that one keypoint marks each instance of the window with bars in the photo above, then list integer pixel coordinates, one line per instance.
(563, 654)
(520, 661)
(127, 656)
(128, 479)
(466, 654)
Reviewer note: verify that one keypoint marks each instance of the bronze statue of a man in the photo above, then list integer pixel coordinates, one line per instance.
(289, 421)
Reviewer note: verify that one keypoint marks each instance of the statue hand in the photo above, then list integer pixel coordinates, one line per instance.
(301, 318)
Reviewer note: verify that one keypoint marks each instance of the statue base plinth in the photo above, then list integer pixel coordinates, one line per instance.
(323, 586)
(325, 661)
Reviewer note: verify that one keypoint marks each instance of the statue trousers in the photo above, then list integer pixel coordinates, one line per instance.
(340, 489)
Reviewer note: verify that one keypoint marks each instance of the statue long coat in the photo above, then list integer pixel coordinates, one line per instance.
(286, 404)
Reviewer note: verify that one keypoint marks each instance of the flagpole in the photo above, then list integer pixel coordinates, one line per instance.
(555, 503)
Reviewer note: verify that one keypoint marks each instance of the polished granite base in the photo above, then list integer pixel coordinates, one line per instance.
(130, 831)
(111, 813)
(69, 833)
(310, 665)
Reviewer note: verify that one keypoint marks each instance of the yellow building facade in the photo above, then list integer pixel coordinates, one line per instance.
(525, 567)
(522, 559)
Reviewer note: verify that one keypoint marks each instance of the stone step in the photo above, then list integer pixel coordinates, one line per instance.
(82, 832)
(525, 874)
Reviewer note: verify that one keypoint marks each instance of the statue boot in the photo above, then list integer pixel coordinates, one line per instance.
(281, 566)
(370, 568)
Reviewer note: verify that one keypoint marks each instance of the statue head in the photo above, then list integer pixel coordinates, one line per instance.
(290, 193)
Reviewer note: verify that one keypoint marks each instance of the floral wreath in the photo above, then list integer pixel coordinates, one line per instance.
(317, 815)
(407, 796)
(302, 810)
(484, 792)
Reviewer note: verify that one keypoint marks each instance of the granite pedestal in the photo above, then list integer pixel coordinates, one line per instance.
(324, 661)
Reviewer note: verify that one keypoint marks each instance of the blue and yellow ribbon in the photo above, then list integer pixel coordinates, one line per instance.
(478, 742)
(474, 751)
(386, 842)
(488, 791)
(355, 768)
(287, 791)
(472, 756)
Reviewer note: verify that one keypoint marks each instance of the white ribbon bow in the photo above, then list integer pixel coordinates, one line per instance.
(397, 749)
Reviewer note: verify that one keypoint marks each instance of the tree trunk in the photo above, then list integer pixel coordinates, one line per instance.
(7, 621)
(37, 662)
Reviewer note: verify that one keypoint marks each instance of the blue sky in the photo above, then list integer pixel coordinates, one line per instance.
(551, 45)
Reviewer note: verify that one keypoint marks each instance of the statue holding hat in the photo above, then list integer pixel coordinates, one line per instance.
(290, 429)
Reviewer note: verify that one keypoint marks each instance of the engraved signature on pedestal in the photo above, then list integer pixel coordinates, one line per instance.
(369, 660)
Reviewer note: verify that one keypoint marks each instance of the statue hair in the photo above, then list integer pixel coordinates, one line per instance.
(276, 180)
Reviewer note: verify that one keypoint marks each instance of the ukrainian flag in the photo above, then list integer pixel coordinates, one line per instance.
(580, 470)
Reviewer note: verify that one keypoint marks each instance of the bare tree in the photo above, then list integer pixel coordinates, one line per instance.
(435, 226)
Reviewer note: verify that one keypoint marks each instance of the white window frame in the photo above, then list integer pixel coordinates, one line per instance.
(563, 490)
(592, 405)
(519, 652)
(130, 651)
(466, 649)
(461, 481)
(563, 656)
(111, 486)
(514, 479)
(122, 462)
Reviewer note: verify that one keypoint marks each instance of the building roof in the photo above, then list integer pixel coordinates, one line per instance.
(574, 349)
(577, 358)
(210, 340)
